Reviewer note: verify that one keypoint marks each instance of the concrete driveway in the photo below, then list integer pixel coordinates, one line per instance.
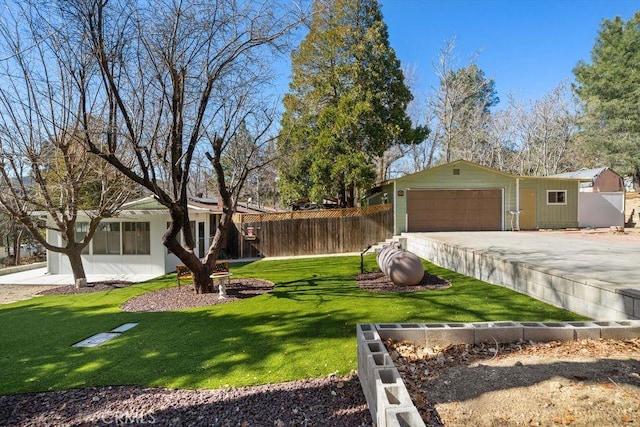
(594, 273)
(596, 255)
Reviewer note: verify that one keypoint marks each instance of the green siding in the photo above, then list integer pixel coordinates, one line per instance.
(554, 216)
(472, 176)
(442, 177)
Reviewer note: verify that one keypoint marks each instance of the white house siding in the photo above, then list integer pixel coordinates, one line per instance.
(152, 264)
(170, 260)
(600, 209)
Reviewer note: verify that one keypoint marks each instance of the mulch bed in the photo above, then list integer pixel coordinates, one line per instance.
(182, 297)
(378, 282)
(107, 285)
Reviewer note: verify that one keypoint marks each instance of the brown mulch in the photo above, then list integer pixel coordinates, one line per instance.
(378, 282)
(182, 297)
(107, 285)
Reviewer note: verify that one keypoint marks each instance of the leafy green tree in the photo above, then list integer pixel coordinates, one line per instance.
(346, 106)
(609, 88)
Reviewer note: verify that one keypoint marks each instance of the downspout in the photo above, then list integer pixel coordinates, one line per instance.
(395, 208)
(518, 204)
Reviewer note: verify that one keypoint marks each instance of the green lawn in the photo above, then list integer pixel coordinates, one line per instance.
(304, 328)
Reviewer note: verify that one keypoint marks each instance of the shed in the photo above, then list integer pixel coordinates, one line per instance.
(465, 196)
(601, 199)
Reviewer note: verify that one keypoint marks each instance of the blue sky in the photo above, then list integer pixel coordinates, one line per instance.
(527, 46)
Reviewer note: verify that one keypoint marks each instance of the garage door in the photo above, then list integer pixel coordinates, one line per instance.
(454, 210)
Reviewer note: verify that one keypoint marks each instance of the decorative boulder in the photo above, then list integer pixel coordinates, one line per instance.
(401, 267)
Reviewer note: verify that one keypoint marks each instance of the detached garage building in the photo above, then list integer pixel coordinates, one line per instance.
(464, 196)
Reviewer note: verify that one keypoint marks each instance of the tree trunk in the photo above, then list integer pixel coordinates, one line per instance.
(202, 281)
(75, 259)
(17, 236)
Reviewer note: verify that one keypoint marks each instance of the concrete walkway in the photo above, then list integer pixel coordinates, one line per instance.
(39, 276)
(593, 273)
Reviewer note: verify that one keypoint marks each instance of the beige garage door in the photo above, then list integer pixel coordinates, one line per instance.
(454, 210)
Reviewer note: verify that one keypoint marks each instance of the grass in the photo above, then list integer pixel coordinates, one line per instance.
(304, 328)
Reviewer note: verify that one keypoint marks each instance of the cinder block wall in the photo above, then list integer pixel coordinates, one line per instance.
(387, 397)
(591, 298)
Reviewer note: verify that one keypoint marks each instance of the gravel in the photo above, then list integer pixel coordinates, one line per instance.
(181, 297)
(322, 402)
(378, 282)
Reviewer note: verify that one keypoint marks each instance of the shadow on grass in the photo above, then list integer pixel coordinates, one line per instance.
(304, 328)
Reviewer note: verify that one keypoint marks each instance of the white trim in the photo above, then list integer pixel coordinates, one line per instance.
(557, 203)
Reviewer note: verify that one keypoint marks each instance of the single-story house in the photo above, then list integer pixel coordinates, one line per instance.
(465, 196)
(131, 243)
(601, 198)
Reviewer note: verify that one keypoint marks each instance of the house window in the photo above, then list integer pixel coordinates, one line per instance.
(106, 240)
(201, 240)
(557, 197)
(136, 238)
(82, 228)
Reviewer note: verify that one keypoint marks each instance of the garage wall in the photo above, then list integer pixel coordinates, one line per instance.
(469, 176)
(554, 216)
(454, 210)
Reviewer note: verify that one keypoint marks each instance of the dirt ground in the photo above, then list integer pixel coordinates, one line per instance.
(580, 383)
(632, 210)
(13, 293)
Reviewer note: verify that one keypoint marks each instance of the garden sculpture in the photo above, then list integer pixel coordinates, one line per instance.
(401, 267)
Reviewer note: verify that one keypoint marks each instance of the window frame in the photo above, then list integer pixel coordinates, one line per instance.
(138, 249)
(81, 229)
(556, 192)
(100, 232)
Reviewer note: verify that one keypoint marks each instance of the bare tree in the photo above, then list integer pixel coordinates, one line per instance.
(545, 131)
(44, 167)
(171, 80)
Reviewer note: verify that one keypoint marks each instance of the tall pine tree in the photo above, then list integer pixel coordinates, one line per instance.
(609, 88)
(346, 106)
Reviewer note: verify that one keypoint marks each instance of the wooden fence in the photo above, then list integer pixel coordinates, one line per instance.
(309, 232)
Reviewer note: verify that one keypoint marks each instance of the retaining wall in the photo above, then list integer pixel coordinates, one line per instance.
(592, 298)
(386, 394)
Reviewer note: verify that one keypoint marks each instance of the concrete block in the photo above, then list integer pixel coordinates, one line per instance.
(373, 363)
(587, 292)
(398, 332)
(403, 417)
(366, 331)
(585, 330)
(561, 284)
(503, 332)
(554, 296)
(613, 300)
(444, 334)
(369, 348)
(390, 393)
(619, 329)
(544, 332)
